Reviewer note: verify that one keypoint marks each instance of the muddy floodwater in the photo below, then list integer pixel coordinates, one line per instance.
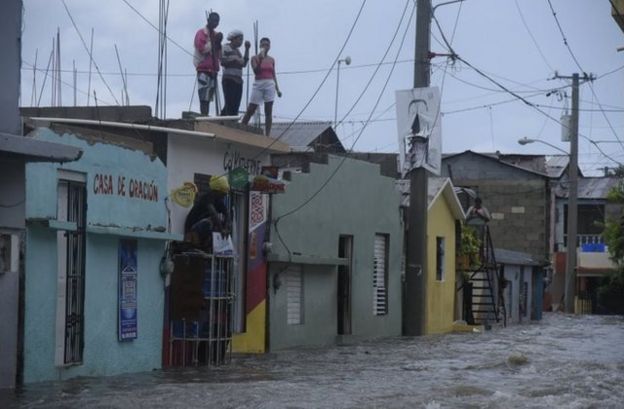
(561, 362)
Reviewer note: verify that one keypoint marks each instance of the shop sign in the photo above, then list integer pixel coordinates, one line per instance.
(127, 319)
(239, 178)
(264, 184)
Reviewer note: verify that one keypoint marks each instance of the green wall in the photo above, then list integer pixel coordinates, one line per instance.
(358, 201)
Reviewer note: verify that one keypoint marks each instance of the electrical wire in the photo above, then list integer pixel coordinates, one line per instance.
(318, 88)
(372, 77)
(526, 26)
(344, 158)
(84, 44)
(514, 94)
(578, 64)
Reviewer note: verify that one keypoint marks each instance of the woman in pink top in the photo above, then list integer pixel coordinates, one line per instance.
(265, 85)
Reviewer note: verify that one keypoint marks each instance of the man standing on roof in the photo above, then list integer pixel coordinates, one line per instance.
(207, 59)
(233, 63)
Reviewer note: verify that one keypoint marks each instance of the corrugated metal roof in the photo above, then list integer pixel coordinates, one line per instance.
(596, 188)
(556, 165)
(299, 134)
(517, 258)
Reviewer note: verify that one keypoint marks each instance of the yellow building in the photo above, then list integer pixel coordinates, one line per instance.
(444, 211)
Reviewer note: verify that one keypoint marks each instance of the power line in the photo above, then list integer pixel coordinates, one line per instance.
(156, 28)
(539, 49)
(47, 74)
(318, 88)
(84, 44)
(372, 77)
(338, 167)
(519, 97)
(578, 64)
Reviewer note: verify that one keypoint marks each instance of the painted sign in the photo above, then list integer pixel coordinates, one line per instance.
(419, 130)
(127, 320)
(185, 195)
(104, 184)
(234, 159)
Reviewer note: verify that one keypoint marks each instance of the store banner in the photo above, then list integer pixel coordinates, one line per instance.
(127, 328)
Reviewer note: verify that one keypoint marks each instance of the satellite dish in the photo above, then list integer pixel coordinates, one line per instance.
(347, 60)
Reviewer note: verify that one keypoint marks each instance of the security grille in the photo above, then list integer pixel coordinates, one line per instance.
(75, 273)
(294, 296)
(380, 275)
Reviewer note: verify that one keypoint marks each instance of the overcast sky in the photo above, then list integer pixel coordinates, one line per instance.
(307, 36)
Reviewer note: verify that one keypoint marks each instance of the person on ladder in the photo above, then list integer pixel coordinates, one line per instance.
(207, 59)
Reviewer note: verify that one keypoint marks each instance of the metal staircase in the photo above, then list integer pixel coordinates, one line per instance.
(484, 302)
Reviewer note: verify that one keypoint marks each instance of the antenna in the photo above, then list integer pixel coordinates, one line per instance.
(33, 94)
(90, 66)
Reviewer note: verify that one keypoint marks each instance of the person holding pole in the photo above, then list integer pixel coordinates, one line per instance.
(233, 63)
(265, 85)
(207, 59)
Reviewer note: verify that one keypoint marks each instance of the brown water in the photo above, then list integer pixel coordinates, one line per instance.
(562, 362)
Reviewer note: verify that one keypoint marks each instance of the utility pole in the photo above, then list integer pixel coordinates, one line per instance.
(416, 269)
(570, 277)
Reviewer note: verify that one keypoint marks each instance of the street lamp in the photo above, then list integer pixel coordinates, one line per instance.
(526, 140)
(346, 60)
(572, 226)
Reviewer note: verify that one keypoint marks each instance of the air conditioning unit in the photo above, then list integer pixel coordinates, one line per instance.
(9, 253)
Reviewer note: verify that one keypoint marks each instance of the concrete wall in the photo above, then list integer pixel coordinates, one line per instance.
(517, 200)
(440, 294)
(103, 353)
(518, 276)
(360, 202)
(12, 195)
(187, 155)
(11, 46)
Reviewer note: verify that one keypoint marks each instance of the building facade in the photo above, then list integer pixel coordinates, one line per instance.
(335, 262)
(94, 295)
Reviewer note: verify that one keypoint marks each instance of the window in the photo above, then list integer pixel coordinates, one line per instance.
(380, 275)
(72, 207)
(294, 296)
(440, 258)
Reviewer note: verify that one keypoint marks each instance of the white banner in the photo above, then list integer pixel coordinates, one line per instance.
(419, 129)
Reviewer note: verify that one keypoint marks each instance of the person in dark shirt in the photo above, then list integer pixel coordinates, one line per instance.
(209, 214)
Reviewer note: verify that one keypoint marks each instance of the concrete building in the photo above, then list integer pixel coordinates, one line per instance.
(516, 195)
(335, 262)
(93, 292)
(593, 260)
(444, 214)
(524, 285)
(15, 152)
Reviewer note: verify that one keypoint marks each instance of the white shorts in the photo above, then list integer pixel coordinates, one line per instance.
(263, 91)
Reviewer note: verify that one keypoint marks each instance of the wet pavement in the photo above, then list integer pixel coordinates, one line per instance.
(561, 362)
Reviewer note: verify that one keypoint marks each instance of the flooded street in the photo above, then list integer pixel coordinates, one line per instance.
(561, 362)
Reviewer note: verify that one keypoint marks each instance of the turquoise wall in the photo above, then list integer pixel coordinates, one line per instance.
(360, 202)
(120, 210)
(103, 353)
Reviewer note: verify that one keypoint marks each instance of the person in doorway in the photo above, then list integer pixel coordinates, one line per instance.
(207, 60)
(233, 63)
(208, 215)
(265, 85)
